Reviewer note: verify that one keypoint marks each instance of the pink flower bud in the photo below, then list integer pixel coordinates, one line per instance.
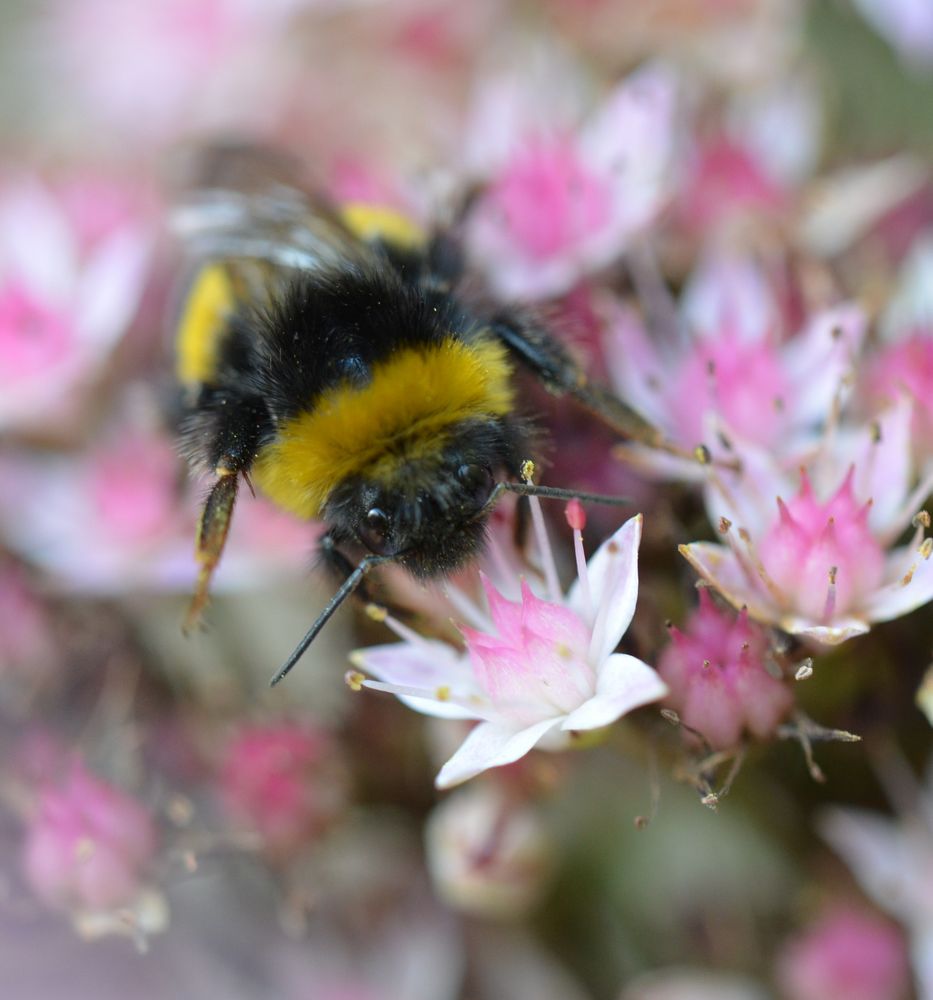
(845, 956)
(283, 783)
(88, 844)
(718, 681)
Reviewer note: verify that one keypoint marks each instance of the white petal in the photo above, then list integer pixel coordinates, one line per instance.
(845, 205)
(827, 635)
(624, 683)
(658, 464)
(818, 359)
(898, 598)
(730, 293)
(912, 304)
(429, 666)
(637, 369)
(921, 957)
(36, 242)
(874, 850)
(748, 498)
(491, 744)
(720, 567)
(110, 287)
(613, 575)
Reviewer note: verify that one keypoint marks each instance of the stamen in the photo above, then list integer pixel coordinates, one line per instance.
(467, 610)
(497, 555)
(829, 607)
(577, 520)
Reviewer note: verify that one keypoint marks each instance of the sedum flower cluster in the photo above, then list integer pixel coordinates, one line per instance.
(666, 746)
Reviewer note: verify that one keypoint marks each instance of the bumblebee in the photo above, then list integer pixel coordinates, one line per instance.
(332, 357)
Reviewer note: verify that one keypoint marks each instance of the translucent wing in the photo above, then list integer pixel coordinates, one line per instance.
(246, 204)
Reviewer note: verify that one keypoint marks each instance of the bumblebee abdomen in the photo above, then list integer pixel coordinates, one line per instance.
(374, 222)
(402, 415)
(205, 317)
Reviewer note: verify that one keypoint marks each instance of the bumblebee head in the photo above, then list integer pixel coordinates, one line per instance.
(430, 512)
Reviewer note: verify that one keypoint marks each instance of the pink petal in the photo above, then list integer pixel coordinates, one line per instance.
(624, 683)
(491, 744)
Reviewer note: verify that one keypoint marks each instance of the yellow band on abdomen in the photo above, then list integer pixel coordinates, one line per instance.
(403, 414)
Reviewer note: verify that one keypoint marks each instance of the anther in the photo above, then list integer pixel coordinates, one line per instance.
(354, 680)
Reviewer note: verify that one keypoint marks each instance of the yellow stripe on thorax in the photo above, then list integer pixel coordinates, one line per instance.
(379, 222)
(203, 320)
(401, 415)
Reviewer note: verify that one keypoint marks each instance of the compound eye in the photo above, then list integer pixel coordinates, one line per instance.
(374, 531)
(477, 482)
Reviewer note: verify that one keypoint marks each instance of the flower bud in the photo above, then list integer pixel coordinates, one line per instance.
(718, 681)
(487, 855)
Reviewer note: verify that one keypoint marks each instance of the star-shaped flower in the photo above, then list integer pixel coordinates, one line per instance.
(535, 668)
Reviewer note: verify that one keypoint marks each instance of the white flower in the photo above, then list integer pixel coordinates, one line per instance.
(536, 668)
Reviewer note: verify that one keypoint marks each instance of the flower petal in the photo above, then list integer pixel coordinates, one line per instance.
(613, 576)
(912, 587)
(624, 683)
(818, 359)
(873, 849)
(827, 635)
(431, 666)
(491, 744)
(720, 567)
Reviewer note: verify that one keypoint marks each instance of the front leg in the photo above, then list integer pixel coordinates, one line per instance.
(552, 364)
(226, 435)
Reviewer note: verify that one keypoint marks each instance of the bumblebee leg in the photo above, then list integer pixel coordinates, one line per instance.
(342, 568)
(212, 535)
(561, 375)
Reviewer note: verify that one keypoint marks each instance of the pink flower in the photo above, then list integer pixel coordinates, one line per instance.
(732, 368)
(114, 518)
(71, 275)
(811, 552)
(281, 781)
(88, 845)
(718, 680)
(846, 955)
(565, 199)
(532, 668)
